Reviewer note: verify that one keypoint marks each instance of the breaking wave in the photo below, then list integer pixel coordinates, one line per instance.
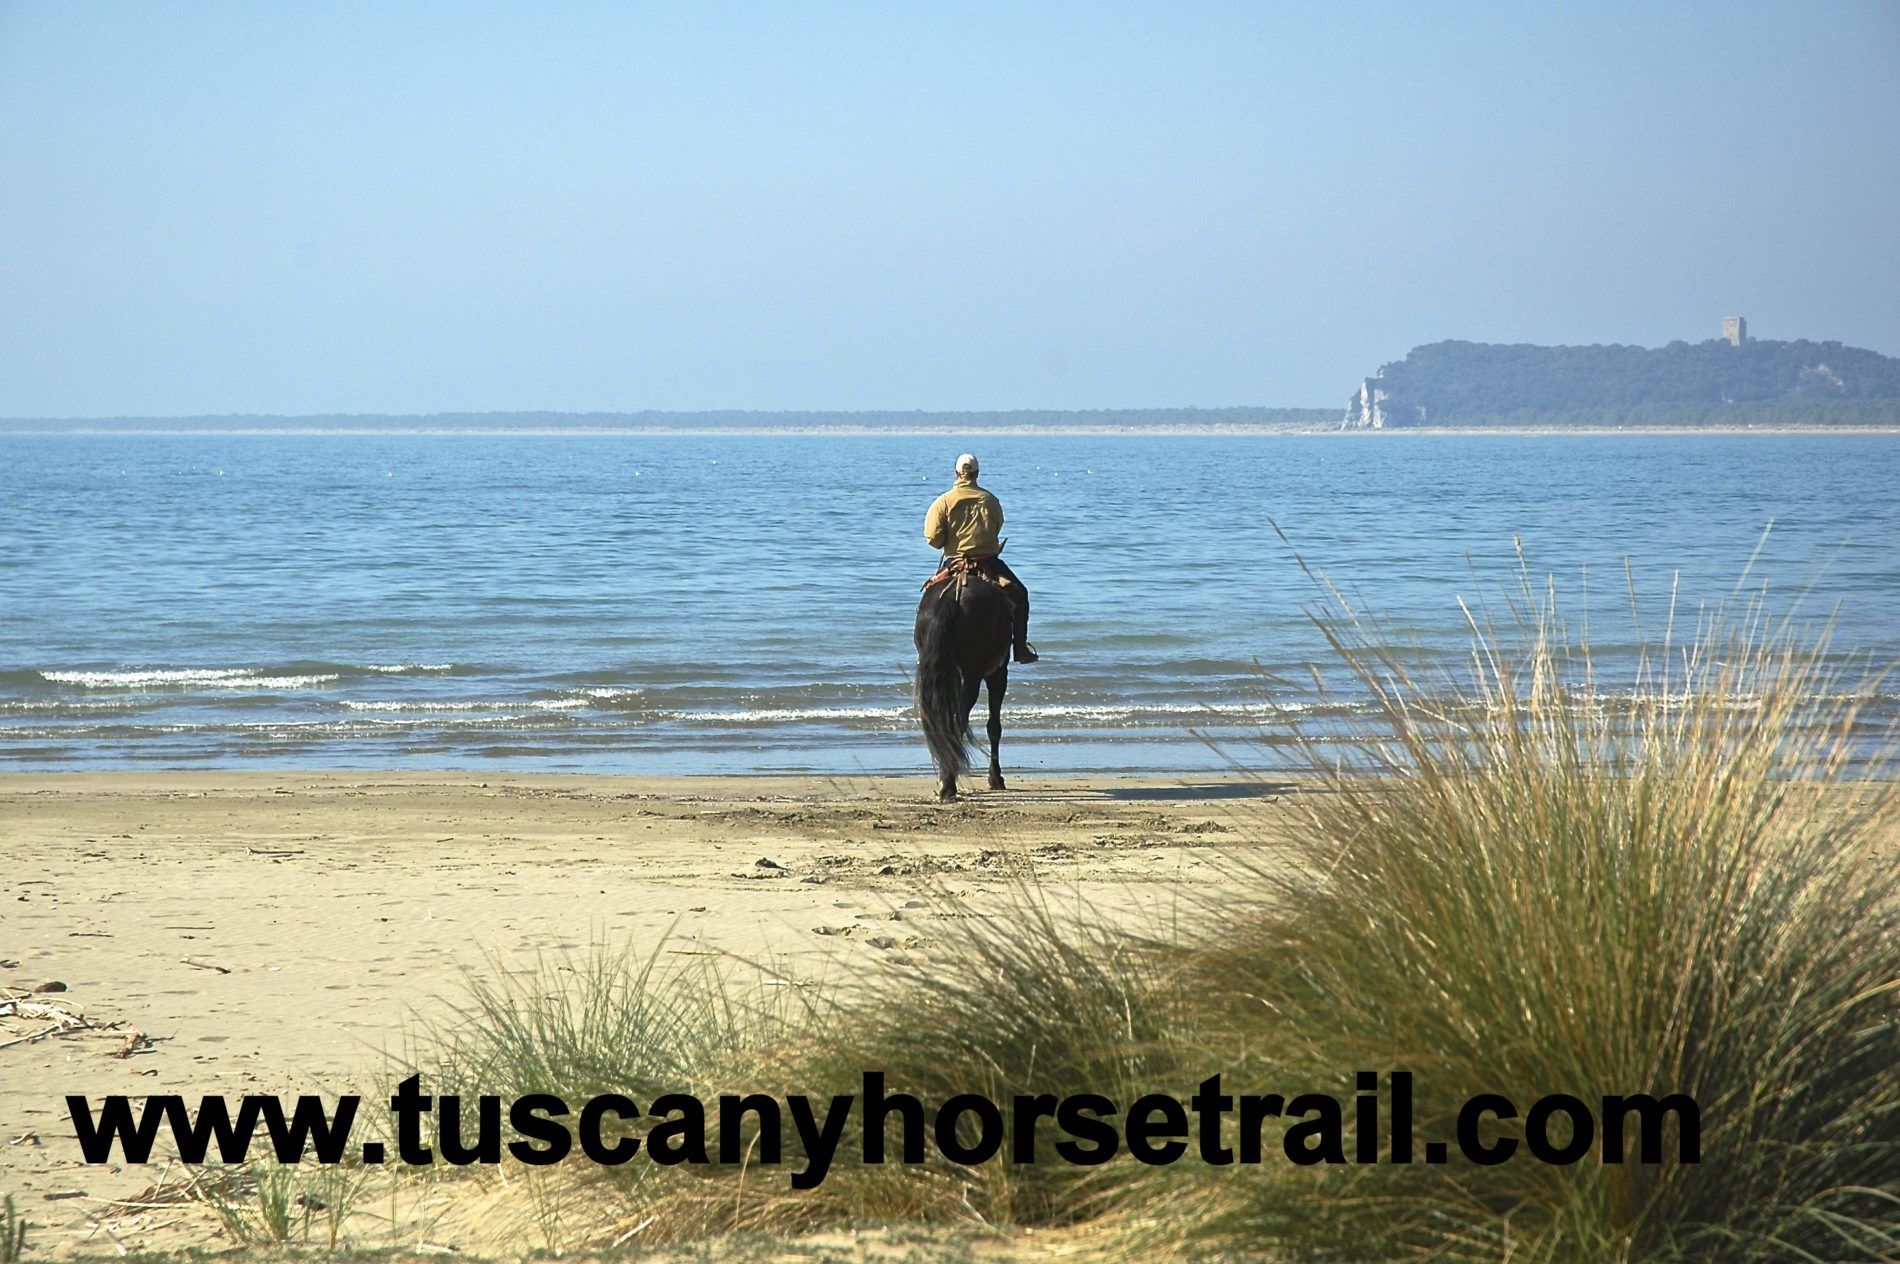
(198, 677)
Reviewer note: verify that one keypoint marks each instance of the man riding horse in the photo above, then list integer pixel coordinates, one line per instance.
(963, 523)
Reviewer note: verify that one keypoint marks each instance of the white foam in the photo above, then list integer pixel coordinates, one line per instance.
(206, 677)
(419, 705)
(767, 715)
(1080, 711)
(429, 706)
(1247, 713)
(397, 669)
(70, 705)
(537, 704)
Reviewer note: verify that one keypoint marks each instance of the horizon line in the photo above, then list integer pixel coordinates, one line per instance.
(665, 412)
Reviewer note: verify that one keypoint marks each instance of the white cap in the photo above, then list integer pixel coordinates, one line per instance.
(966, 464)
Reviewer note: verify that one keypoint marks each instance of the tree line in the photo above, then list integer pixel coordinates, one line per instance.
(1709, 383)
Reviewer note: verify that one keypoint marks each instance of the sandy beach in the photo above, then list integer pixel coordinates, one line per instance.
(277, 933)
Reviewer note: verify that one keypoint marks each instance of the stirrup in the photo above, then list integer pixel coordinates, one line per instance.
(1026, 653)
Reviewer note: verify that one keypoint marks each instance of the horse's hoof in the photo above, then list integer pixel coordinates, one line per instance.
(996, 783)
(946, 796)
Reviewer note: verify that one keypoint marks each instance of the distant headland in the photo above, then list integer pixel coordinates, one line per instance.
(1729, 382)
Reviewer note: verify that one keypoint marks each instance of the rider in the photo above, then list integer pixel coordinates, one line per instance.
(963, 522)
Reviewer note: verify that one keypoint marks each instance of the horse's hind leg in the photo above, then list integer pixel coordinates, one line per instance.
(997, 683)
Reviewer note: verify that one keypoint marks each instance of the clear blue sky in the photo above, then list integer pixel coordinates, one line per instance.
(390, 207)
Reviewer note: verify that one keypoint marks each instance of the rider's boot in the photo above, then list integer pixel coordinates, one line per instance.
(1025, 652)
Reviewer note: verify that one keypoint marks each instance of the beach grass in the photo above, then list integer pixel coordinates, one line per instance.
(13, 1230)
(1549, 885)
(1028, 997)
(1519, 879)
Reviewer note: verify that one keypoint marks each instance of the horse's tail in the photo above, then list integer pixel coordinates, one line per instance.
(940, 689)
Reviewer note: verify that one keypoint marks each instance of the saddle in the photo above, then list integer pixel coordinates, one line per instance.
(964, 567)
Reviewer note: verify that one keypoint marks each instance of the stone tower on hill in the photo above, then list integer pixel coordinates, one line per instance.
(1734, 330)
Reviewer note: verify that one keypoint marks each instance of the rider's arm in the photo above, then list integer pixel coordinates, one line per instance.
(937, 526)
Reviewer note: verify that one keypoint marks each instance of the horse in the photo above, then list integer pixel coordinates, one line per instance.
(965, 625)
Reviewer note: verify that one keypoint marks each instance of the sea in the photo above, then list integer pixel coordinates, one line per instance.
(743, 602)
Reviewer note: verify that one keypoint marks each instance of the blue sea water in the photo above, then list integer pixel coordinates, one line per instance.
(721, 603)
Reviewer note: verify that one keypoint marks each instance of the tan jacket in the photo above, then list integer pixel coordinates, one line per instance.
(965, 519)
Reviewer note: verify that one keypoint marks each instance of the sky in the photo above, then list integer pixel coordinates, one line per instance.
(418, 208)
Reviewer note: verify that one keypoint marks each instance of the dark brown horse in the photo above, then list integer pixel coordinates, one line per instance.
(964, 625)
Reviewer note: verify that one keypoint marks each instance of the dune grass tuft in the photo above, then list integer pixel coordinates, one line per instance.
(13, 1229)
(610, 1020)
(1530, 882)
(1026, 997)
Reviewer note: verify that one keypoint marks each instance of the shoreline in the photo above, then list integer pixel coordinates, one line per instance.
(1061, 758)
(875, 785)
